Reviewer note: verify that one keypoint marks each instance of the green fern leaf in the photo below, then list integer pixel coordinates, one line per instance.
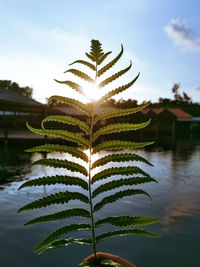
(119, 158)
(103, 58)
(58, 179)
(127, 221)
(80, 74)
(96, 51)
(118, 144)
(58, 163)
(118, 195)
(90, 57)
(69, 120)
(117, 91)
(119, 112)
(121, 182)
(114, 76)
(72, 102)
(60, 215)
(110, 64)
(125, 232)
(61, 243)
(73, 85)
(128, 170)
(59, 148)
(57, 198)
(86, 63)
(62, 231)
(119, 127)
(61, 134)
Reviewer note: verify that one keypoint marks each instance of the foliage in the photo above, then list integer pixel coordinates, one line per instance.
(130, 175)
(14, 87)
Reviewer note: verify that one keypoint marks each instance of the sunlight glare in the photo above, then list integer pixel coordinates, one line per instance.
(92, 91)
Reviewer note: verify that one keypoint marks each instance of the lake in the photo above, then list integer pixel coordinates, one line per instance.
(175, 202)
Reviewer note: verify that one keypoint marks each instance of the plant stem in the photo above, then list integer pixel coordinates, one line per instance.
(90, 191)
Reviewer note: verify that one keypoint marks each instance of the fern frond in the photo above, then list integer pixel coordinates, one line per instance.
(103, 58)
(57, 198)
(61, 243)
(117, 91)
(61, 134)
(128, 170)
(80, 74)
(118, 144)
(59, 163)
(125, 232)
(73, 85)
(57, 179)
(118, 195)
(121, 182)
(86, 63)
(72, 102)
(119, 158)
(90, 57)
(69, 120)
(114, 76)
(127, 221)
(62, 231)
(96, 52)
(119, 127)
(59, 148)
(60, 215)
(119, 112)
(111, 63)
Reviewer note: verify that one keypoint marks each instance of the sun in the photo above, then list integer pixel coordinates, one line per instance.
(92, 91)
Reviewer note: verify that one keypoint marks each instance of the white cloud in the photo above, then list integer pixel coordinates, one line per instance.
(182, 36)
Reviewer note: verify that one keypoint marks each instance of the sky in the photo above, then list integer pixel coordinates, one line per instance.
(38, 39)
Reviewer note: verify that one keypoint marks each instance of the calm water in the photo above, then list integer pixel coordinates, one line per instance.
(176, 202)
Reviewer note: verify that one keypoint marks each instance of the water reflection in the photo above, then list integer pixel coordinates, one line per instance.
(178, 212)
(175, 202)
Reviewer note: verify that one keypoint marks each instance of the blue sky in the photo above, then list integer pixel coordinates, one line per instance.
(162, 38)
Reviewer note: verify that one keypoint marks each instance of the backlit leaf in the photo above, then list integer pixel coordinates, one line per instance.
(69, 120)
(114, 76)
(119, 195)
(125, 232)
(127, 170)
(59, 148)
(59, 163)
(110, 64)
(118, 144)
(119, 158)
(72, 102)
(119, 127)
(121, 182)
(127, 221)
(57, 179)
(80, 74)
(60, 215)
(57, 198)
(61, 134)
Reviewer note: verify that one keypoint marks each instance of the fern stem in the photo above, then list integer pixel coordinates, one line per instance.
(90, 191)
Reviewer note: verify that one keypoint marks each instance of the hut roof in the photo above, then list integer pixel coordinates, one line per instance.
(15, 98)
(179, 113)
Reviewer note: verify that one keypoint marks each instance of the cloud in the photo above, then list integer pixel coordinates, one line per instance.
(182, 36)
(198, 88)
